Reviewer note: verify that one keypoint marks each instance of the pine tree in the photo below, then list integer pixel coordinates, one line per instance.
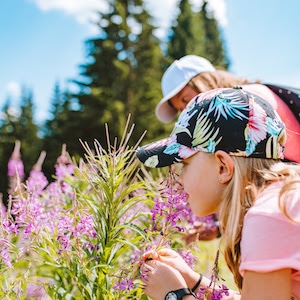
(196, 33)
(187, 33)
(122, 76)
(214, 46)
(30, 141)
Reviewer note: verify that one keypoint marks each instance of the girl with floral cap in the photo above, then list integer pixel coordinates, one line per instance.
(192, 74)
(231, 143)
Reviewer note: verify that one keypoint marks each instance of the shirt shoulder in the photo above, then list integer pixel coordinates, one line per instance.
(270, 240)
(272, 203)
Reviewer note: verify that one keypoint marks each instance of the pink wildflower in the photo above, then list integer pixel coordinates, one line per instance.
(4, 252)
(124, 285)
(37, 181)
(15, 164)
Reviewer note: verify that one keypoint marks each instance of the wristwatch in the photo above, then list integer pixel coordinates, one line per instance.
(179, 294)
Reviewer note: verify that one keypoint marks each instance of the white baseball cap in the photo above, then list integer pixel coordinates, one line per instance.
(175, 78)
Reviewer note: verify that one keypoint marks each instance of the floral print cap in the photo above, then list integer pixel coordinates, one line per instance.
(228, 119)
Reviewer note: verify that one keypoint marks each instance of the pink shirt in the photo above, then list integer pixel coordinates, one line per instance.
(270, 241)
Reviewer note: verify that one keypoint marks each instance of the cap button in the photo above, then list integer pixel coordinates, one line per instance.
(237, 87)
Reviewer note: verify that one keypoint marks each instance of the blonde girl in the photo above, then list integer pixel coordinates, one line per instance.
(231, 143)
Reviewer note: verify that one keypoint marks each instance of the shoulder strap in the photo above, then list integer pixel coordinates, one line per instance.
(289, 95)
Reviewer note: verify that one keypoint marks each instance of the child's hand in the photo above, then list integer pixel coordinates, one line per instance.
(174, 260)
(168, 256)
(154, 277)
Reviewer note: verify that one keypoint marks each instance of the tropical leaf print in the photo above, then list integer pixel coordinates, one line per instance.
(152, 161)
(205, 133)
(273, 127)
(220, 106)
(185, 152)
(250, 146)
(257, 127)
(185, 117)
(272, 148)
(172, 148)
(161, 143)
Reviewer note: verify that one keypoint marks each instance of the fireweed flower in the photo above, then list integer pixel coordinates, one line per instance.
(80, 232)
(15, 167)
(85, 227)
(217, 290)
(167, 216)
(217, 294)
(124, 285)
(29, 213)
(188, 257)
(35, 291)
(64, 165)
(7, 229)
(5, 232)
(175, 209)
(39, 206)
(64, 170)
(64, 241)
(15, 164)
(5, 255)
(76, 229)
(37, 181)
(171, 212)
(65, 224)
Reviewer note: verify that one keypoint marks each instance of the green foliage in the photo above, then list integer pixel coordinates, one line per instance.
(187, 33)
(122, 77)
(98, 220)
(106, 187)
(27, 130)
(215, 50)
(197, 33)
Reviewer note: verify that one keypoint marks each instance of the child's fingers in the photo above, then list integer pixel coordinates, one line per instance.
(150, 255)
(167, 252)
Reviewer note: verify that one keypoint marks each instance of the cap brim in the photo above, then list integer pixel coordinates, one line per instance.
(163, 153)
(163, 111)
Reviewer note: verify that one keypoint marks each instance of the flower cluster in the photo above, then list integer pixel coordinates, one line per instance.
(82, 236)
(216, 290)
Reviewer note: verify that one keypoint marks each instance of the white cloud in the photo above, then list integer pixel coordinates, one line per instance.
(219, 10)
(84, 11)
(13, 89)
(164, 11)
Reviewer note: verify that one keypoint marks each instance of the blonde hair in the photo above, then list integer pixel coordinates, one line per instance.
(251, 175)
(206, 81)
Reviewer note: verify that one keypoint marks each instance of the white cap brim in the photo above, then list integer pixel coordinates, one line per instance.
(164, 111)
(175, 78)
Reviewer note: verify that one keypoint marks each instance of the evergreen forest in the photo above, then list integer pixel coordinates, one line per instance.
(119, 79)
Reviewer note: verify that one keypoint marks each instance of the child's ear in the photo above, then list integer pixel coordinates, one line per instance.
(225, 166)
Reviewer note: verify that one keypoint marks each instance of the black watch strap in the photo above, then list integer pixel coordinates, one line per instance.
(179, 294)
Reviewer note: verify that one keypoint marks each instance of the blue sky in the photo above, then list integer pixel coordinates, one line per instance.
(42, 41)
